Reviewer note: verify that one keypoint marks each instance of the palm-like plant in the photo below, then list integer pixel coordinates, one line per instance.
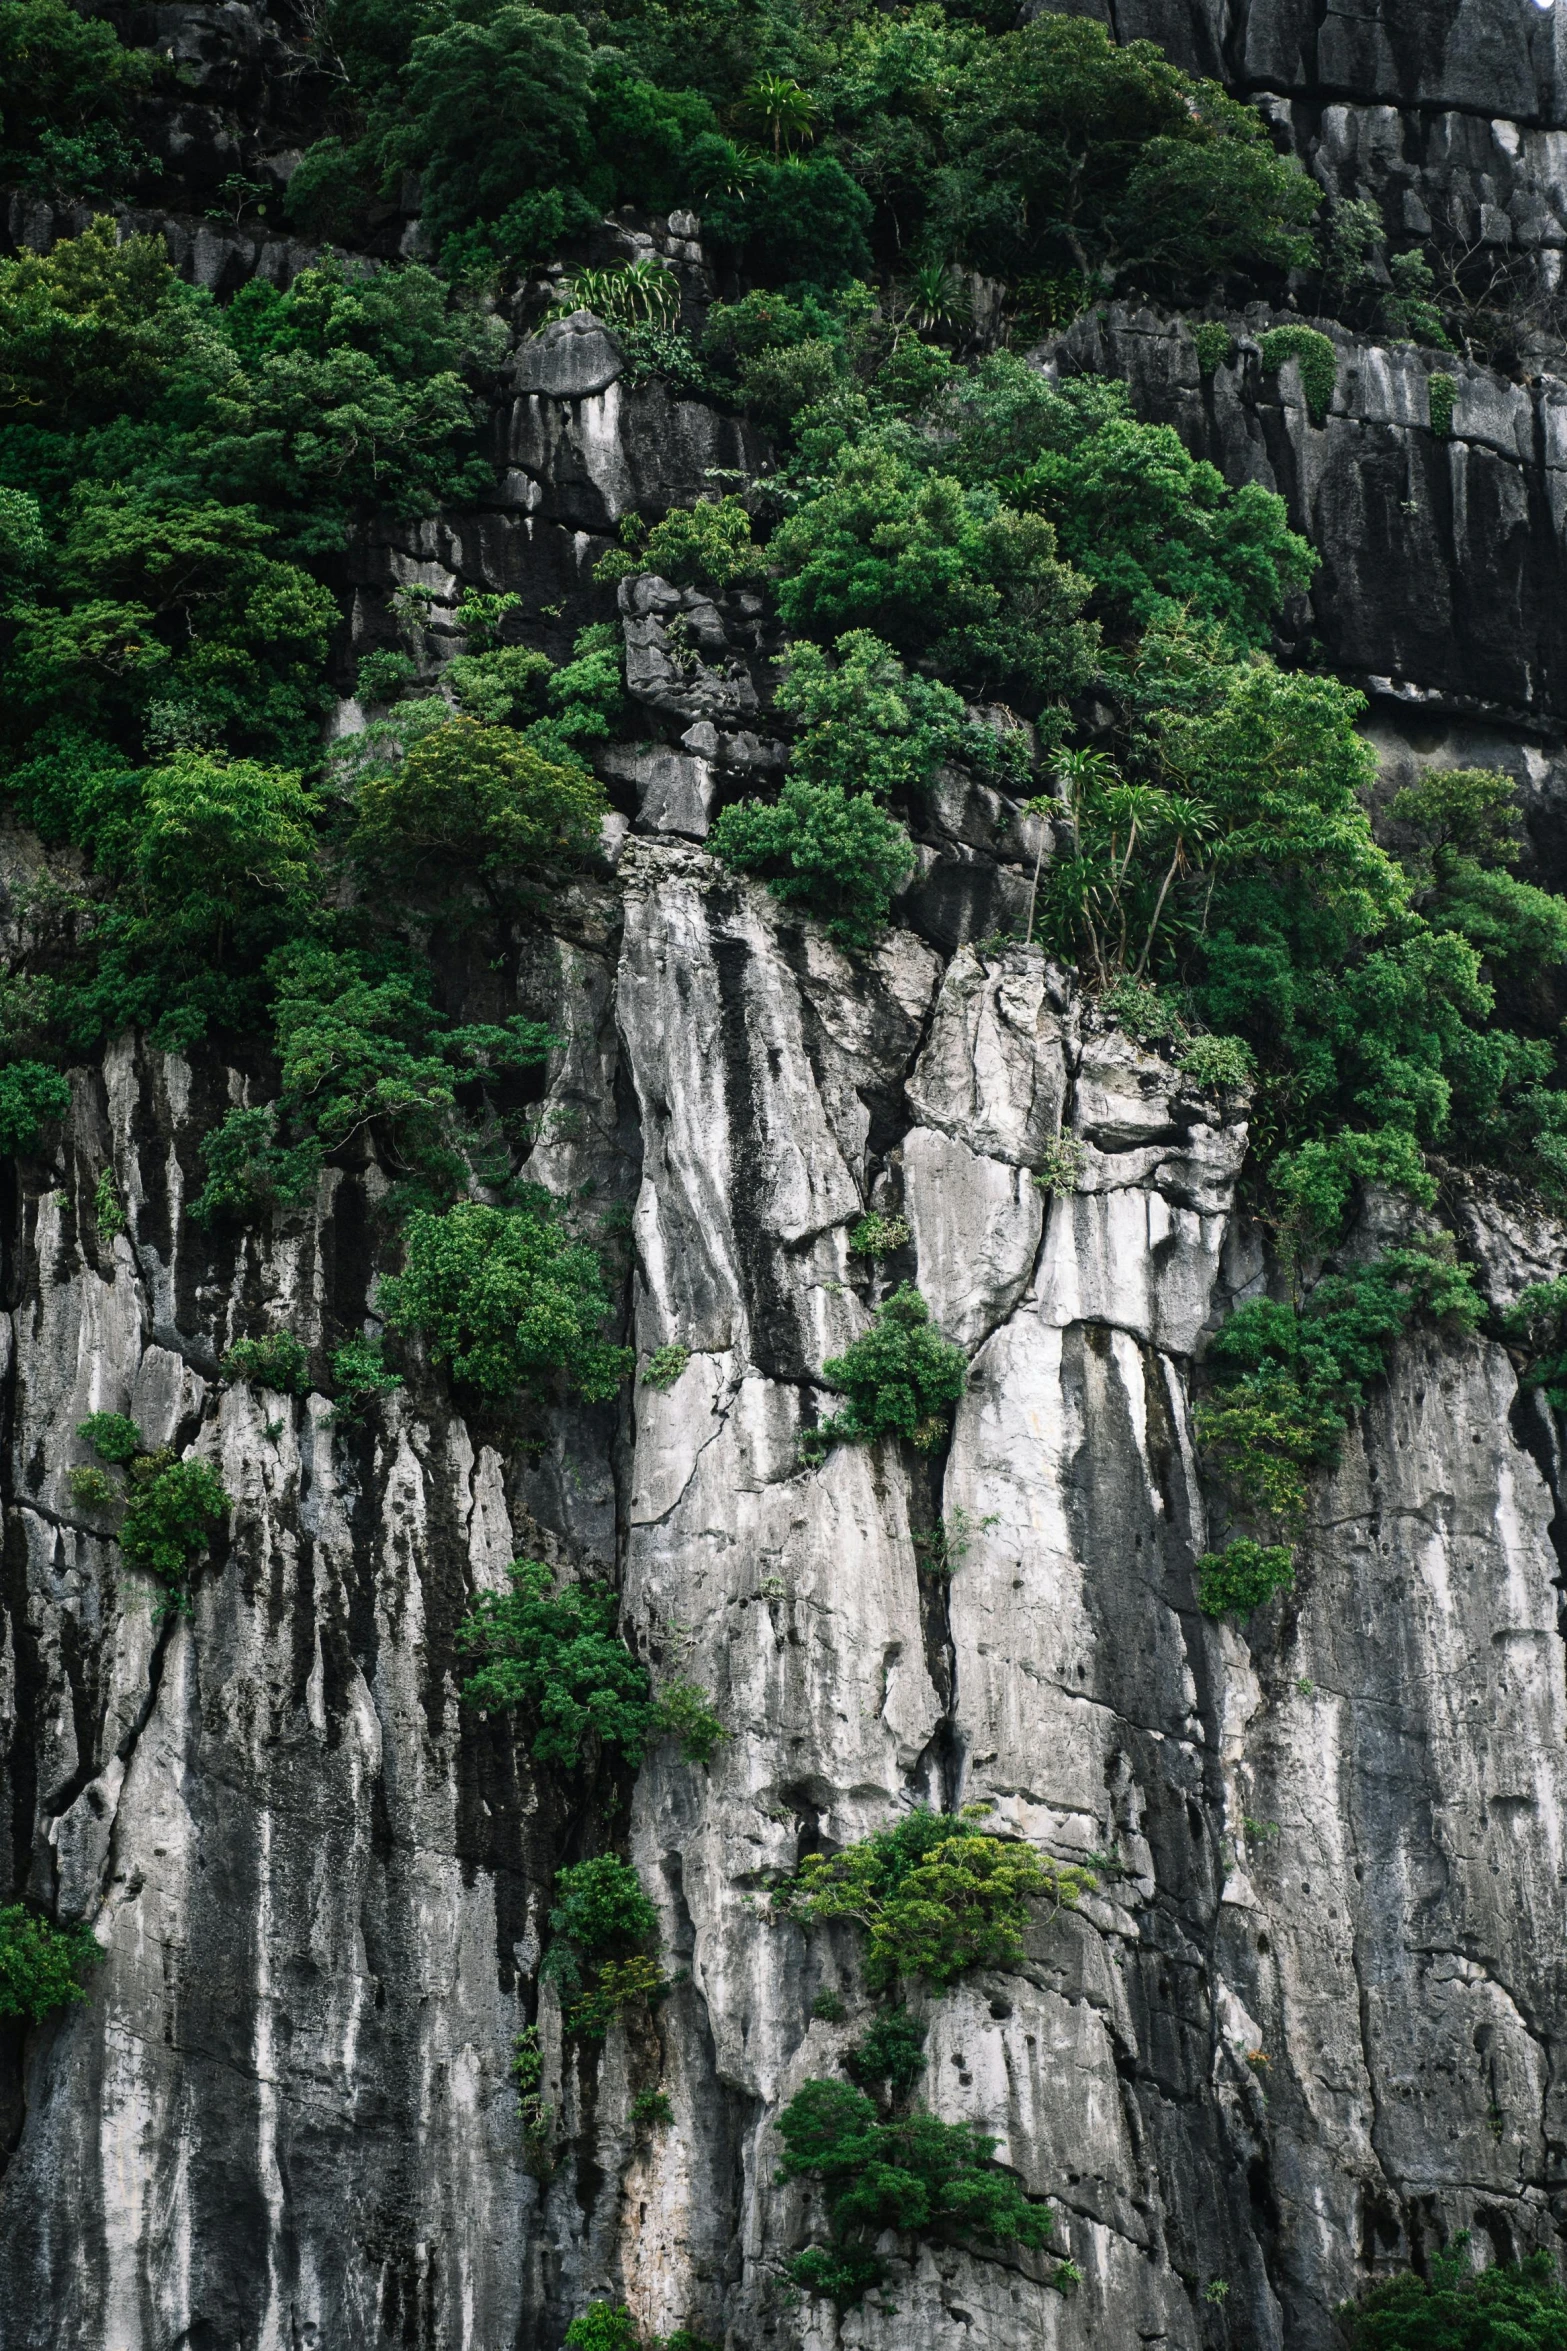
(1127, 845)
(937, 298)
(636, 293)
(784, 113)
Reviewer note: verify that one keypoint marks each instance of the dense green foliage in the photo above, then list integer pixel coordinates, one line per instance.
(172, 1507)
(1287, 1379)
(601, 1922)
(557, 1655)
(277, 1361)
(171, 1514)
(42, 1966)
(814, 146)
(508, 1299)
(934, 1894)
(819, 846)
(891, 2054)
(917, 2175)
(901, 1378)
(1506, 2307)
(1316, 358)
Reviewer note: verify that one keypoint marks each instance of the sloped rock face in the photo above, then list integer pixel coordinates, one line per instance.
(1313, 2003)
(1309, 2019)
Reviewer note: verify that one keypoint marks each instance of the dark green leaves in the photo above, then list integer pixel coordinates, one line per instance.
(901, 1379)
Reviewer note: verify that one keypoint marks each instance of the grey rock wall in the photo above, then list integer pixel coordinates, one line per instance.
(1308, 2018)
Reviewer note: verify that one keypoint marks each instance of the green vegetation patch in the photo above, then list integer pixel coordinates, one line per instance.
(42, 1967)
(934, 1894)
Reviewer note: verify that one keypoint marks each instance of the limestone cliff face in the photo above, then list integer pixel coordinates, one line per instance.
(284, 2121)
(285, 2116)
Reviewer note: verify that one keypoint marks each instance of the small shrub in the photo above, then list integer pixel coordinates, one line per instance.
(31, 1095)
(93, 1489)
(360, 1373)
(665, 1365)
(113, 1436)
(1234, 1581)
(1539, 1318)
(1217, 1065)
(934, 1894)
(947, 1545)
(42, 1966)
(173, 1509)
(617, 1985)
(901, 1379)
(708, 545)
(685, 1712)
(1317, 359)
(557, 1655)
(1061, 1164)
(1442, 392)
(276, 1361)
(878, 1236)
(106, 1207)
(892, 2054)
(829, 2008)
(914, 2175)
(1138, 1007)
(534, 2113)
(600, 1919)
(1214, 345)
(603, 2326)
(833, 852)
(508, 1300)
(381, 676)
(600, 1906)
(1289, 1377)
(651, 2110)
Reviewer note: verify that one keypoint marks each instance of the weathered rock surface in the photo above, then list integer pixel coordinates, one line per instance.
(1310, 2021)
(284, 2116)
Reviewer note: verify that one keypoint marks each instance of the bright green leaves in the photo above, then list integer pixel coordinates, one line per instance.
(172, 1508)
(1160, 533)
(901, 1378)
(935, 1896)
(507, 1300)
(173, 1511)
(1286, 1381)
(602, 1922)
(1243, 1576)
(42, 1967)
(972, 588)
(474, 799)
(277, 1361)
(832, 852)
(558, 1656)
(1316, 358)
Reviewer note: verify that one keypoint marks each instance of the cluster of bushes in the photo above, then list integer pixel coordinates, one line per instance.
(1286, 1379)
(1456, 2307)
(171, 1508)
(553, 1652)
(935, 1896)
